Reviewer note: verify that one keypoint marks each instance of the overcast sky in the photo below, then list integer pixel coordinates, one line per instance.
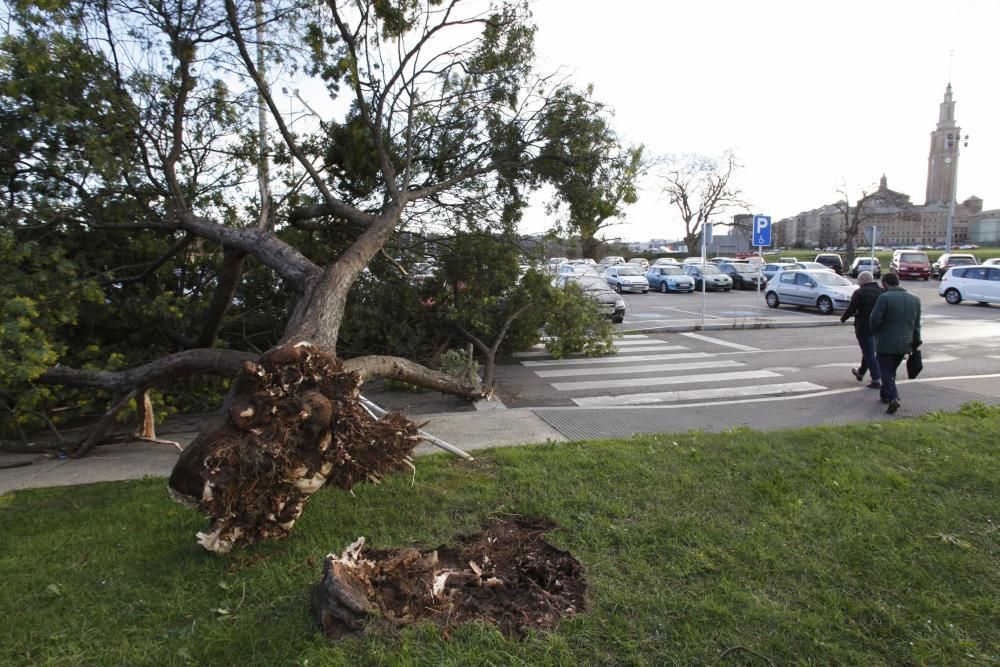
(810, 95)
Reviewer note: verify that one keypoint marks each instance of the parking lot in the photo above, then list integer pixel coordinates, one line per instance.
(663, 360)
(648, 311)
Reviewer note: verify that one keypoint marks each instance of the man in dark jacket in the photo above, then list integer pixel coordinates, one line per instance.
(862, 302)
(895, 321)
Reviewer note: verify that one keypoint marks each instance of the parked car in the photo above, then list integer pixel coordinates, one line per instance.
(691, 260)
(823, 290)
(812, 266)
(669, 278)
(992, 261)
(950, 259)
(768, 270)
(866, 264)
(554, 263)
(743, 275)
(831, 260)
(660, 261)
(787, 260)
(626, 278)
(910, 264)
(641, 262)
(612, 260)
(596, 288)
(971, 283)
(710, 274)
(720, 260)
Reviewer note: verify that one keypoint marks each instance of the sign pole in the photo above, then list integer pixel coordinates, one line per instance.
(761, 238)
(706, 229)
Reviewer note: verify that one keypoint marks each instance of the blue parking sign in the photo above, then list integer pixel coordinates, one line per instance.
(762, 230)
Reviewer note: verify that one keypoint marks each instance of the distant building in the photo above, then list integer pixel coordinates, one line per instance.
(900, 222)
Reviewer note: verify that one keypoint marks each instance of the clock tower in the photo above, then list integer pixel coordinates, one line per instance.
(943, 159)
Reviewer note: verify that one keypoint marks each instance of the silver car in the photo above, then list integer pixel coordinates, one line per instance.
(596, 288)
(823, 290)
(626, 278)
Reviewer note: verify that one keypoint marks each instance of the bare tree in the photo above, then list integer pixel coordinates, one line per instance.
(855, 216)
(701, 188)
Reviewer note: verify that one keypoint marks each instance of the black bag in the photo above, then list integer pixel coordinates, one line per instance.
(914, 364)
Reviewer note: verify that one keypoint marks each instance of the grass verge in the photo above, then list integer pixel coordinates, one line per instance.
(863, 544)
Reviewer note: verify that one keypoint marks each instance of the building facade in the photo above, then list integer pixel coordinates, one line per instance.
(899, 221)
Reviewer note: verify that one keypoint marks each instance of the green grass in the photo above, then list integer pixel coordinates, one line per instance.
(859, 545)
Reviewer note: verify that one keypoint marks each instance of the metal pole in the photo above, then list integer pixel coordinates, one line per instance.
(951, 202)
(378, 412)
(760, 275)
(704, 260)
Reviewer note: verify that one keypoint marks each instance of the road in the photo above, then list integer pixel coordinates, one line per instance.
(700, 367)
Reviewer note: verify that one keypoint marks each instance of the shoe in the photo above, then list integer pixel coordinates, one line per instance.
(857, 376)
(874, 385)
(893, 406)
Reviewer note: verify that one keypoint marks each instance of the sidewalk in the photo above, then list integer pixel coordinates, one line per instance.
(470, 427)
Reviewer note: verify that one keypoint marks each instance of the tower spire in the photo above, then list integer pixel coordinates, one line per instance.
(942, 159)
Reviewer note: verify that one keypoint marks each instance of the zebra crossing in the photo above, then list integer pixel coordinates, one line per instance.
(587, 381)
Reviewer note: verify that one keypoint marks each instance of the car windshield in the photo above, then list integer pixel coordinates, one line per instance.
(709, 268)
(962, 260)
(743, 268)
(629, 271)
(830, 279)
(913, 257)
(671, 270)
(590, 284)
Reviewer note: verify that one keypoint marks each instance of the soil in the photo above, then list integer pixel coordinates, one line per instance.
(506, 575)
(294, 425)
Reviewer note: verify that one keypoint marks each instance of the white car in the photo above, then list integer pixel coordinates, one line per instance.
(971, 283)
(669, 261)
(626, 278)
(641, 262)
(993, 261)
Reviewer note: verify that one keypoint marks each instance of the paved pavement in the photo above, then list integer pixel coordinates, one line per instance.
(489, 424)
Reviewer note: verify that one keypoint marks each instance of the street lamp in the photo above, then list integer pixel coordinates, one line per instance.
(952, 141)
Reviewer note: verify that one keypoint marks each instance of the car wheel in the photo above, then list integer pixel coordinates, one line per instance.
(772, 300)
(663, 287)
(618, 320)
(926, 278)
(953, 296)
(824, 305)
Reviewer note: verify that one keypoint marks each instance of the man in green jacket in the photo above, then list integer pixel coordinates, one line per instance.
(895, 321)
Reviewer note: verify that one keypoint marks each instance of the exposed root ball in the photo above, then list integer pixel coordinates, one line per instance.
(295, 425)
(507, 575)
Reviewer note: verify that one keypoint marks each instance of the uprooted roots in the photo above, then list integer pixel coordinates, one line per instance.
(296, 426)
(507, 575)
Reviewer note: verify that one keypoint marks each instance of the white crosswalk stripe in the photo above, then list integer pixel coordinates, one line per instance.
(618, 359)
(668, 379)
(699, 394)
(651, 368)
(661, 365)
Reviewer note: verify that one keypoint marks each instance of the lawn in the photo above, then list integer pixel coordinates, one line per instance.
(866, 544)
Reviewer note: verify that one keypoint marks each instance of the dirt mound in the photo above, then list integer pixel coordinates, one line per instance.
(507, 575)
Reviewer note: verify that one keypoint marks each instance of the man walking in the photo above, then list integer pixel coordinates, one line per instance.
(862, 302)
(895, 321)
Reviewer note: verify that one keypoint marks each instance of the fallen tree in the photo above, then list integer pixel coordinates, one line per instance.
(443, 108)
